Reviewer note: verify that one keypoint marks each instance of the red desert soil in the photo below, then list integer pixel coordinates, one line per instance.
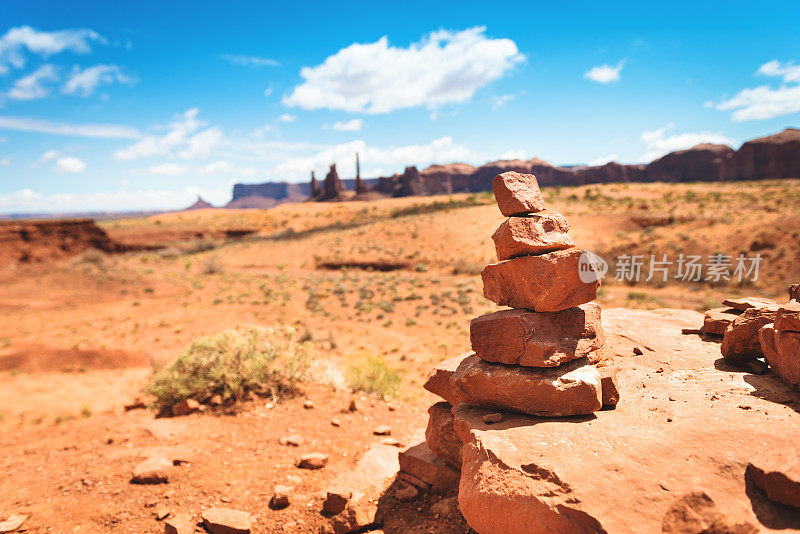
(78, 333)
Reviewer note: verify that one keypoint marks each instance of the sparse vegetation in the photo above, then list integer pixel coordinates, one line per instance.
(266, 361)
(374, 376)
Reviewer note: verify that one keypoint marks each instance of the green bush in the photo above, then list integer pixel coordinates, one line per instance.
(267, 361)
(374, 376)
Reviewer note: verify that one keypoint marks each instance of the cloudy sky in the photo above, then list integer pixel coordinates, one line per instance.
(143, 105)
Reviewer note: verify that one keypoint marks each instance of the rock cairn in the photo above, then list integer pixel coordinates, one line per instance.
(536, 358)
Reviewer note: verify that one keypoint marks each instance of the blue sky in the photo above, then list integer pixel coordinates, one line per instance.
(143, 105)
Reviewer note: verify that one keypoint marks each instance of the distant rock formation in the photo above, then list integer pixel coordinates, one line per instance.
(775, 156)
(315, 190)
(361, 187)
(333, 186)
(199, 205)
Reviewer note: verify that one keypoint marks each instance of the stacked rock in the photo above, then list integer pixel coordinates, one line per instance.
(539, 356)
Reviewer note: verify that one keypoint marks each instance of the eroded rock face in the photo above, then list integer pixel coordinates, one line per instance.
(537, 339)
(782, 352)
(438, 381)
(422, 468)
(440, 435)
(622, 470)
(745, 303)
(570, 389)
(777, 473)
(517, 194)
(740, 343)
(550, 282)
(697, 513)
(534, 234)
(788, 317)
(716, 320)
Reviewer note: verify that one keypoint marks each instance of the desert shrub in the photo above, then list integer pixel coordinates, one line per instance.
(465, 266)
(201, 245)
(93, 256)
(266, 361)
(169, 253)
(374, 376)
(211, 265)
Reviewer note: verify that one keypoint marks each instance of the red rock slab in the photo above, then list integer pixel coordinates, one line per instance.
(517, 194)
(777, 473)
(788, 317)
(550, 282)
(440, 436)
(422, 468)
(534, 234)
(716, 320)
(537, 339)
(570, 389)
(696, 512)
(438, 381)
(226, 521)
(740, 343)
(608, 383)
(745, 303)
(782, 352)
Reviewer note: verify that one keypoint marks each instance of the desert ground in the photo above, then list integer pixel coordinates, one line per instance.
(379, 290)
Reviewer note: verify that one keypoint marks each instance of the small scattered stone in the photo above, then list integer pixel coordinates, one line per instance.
(291, 441)
(446, 506)
(757, 366)
(152, 471)
(308, 405)
(161, 512)
(406, 493)
(335, 501)
(490, 418)
(226, 521)
(637, 351)
(353, 407)
(391, 442)
(312, 460)
(280, 497)
(12, 522)
(336, 422)
(180, 523)
(608, 385)
(383, 430)
(215, 400)
(185, 407)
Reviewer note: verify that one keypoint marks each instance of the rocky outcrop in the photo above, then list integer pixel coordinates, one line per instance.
(332, 187)
(703, 162)
(315, 191)
(740, 343)
(35, 241)
(200, 204)
(774, 156)
(411, 184)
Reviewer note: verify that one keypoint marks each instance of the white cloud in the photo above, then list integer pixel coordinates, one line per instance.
(70, 165)
(106, 131)
(602, 160)
(43, 43)
(250, 61)
(501, 100)
(764, 102)
(604, 73)
(287, 117)
(353, 125)
(179, 134)
(444, 67)
(33, 86)
(49, 155)
(514, 154)
(168, 169)
(658, 144)
(85, 81)
(28, 201)
(202, 144)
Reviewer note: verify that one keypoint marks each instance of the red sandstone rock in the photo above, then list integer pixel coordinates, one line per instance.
(788, 317)
(696, 513)
(550, 282)
(777, 473)
(782, 352)
(440, 436)
(313, 460)
(422, 468)
(608, 384)
(744, 303)
(152, 471)
(537, 339)
(336, 501)
(438, 381)
(226, 521)
(185, 407)
(740, 343)
(570, 389)
(534, 234)
(794, 292)
(280, 497)
(180, 523)
(517, 193)
(716, 320)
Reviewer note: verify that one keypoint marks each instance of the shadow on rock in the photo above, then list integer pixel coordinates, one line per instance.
(770, 514)
(432, 512)
(771, 388)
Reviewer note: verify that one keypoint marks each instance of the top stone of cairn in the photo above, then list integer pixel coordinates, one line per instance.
(517, 194)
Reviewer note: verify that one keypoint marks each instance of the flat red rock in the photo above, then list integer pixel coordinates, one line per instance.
(537, 339)
(550, 282)
(740, 343)
(517, 193)
(782, 352)
(788, 317)
(438, 381)
(570, 389)
(534, 234)
(226, 521)
(716, 320)
(745, 303)
(440, 436)
(422, 468)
